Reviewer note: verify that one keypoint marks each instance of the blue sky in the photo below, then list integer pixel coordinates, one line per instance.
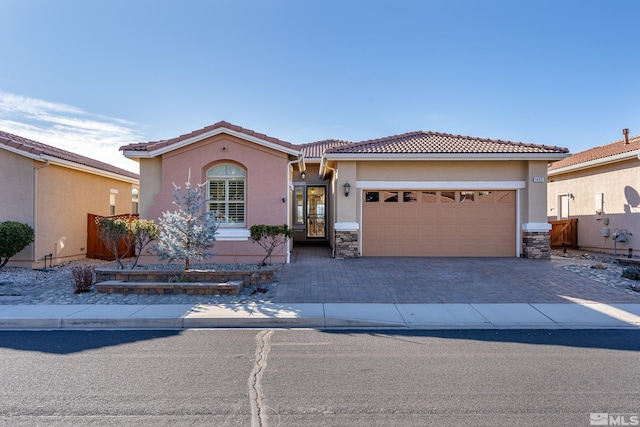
(90, 76)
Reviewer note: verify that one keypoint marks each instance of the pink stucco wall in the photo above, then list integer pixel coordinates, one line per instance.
(266, 186)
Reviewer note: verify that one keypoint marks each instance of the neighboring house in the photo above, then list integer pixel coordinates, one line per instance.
(53, 191)
(600, 188)
(415, 194)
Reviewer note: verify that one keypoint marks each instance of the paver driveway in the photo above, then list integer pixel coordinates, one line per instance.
(314, 276)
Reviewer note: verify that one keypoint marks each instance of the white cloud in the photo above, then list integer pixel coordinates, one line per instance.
(69, 128)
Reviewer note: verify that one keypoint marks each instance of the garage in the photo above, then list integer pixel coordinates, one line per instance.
(478, 223)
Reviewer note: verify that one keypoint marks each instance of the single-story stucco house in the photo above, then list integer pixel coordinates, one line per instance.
(600, 187)
(414, 194)
(53, 191)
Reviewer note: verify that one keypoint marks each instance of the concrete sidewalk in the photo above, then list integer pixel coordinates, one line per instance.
(578, 314)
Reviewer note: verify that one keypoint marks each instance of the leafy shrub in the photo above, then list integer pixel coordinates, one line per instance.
(83, 278)
(632, 273)
(14, 237)
(180, 279)
(599, 266)
(132, 231)
(270, 237)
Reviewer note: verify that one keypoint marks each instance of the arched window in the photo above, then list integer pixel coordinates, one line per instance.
(227, 192)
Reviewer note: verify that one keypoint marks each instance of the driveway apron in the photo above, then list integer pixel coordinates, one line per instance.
(314, 276)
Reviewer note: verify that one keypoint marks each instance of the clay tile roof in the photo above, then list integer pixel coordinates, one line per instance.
(35, 148)
(425, 142)
(155, 145)
(316, 149)
(598, 153)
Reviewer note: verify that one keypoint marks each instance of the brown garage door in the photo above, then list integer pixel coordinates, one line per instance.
(439, 223)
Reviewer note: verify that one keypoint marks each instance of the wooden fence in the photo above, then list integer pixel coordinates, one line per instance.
(564, 233)
(96, 248)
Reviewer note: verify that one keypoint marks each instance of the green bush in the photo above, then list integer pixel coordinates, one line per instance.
(269, 237)
(14, 237)
(632, 273)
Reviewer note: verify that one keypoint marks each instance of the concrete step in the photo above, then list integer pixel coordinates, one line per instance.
(161, 288)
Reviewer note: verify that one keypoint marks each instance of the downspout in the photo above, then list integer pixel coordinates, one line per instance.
(35, 210)
(302, 168)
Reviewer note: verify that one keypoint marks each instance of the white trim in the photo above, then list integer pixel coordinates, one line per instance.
(346, 226)
(597, 162)
(441, 185)
(536, 226)
(232, 234)
(134, 154)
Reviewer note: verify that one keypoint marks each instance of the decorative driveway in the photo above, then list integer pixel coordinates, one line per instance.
(314, 276)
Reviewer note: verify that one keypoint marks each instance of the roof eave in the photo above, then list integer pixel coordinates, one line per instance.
(154, 153)
(629, 155)
(447, 156)
(21, 152)
(71, 165)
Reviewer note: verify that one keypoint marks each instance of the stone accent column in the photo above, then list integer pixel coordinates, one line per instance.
(536, 241)
(346, 240)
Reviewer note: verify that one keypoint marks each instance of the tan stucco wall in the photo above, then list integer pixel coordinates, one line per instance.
(620, 185)
(267, 178)
(17, 195)
(534, 196)
(441, 171)
(151, 182)
(64, 198)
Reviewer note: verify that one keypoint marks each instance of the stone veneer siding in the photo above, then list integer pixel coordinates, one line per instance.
(536, 244)
(346, 244)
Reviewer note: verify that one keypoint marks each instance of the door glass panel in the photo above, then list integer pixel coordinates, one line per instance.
(316, 212)
(447, 197)
(466, 196)
(409, 196)
(372, 197)
(298, 207)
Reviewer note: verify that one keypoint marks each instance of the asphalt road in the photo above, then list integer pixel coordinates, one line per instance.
(315, 378)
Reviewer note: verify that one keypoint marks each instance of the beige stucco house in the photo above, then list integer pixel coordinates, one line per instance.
(600, 187)
(53, 191)
(415, 194)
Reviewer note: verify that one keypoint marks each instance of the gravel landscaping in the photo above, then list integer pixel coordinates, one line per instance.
(56, 286)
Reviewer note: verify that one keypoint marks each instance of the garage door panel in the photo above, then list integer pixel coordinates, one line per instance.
(409, 231)
(390, 231)
(408, 214)
(437, 223)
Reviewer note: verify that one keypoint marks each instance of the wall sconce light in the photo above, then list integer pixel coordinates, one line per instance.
(571, 196)
(347, 189)
(284, 200)
(303, 175)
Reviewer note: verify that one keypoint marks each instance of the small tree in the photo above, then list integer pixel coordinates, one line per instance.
(132, 231)
(14, 237)
(270, 237)
(189, 232)
(144, 231)
(112, 231)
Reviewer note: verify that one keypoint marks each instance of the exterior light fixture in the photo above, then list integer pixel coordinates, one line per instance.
(347, 189)
(303, 175)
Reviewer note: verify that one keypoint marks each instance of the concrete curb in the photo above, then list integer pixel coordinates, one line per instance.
(577, 315)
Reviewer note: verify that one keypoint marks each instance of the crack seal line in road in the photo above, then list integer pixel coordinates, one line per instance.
(258, 410)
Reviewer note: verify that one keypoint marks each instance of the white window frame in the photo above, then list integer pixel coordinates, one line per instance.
(229, 175)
